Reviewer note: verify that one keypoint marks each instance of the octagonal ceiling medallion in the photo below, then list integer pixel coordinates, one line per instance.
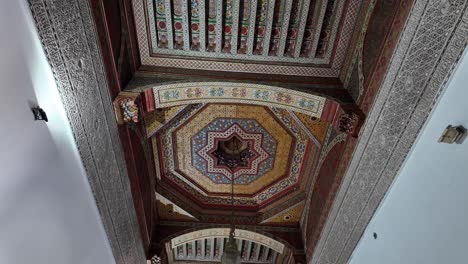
(194, 148)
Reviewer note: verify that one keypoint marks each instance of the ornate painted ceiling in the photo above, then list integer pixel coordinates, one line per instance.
(280, 149)
(218, 108)
(356, 52)
(293, 37)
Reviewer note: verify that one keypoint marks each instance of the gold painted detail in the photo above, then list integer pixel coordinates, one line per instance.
(290, 215)
(212, 112)
(156, 119)
(167, 210)
(317, 127)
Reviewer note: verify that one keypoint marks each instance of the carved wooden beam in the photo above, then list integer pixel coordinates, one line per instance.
(300, 33)
(268, 27)
(170, 33)
(284, 28)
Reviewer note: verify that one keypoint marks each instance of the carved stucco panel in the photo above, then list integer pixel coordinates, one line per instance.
(69, 38)
(419, 69)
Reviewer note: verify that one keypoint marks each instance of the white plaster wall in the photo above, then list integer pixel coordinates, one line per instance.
(424, 217)
(47, 211)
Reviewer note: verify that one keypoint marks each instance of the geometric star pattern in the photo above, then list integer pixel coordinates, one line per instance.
(262, 145)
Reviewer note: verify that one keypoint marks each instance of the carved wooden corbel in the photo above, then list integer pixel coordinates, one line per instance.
(126, 108)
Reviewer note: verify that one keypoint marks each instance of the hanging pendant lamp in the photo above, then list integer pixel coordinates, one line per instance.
(231, 254)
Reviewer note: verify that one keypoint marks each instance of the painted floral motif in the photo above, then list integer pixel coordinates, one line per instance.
(239, 92)
(178, 24)
(194, 8)
(264, 95)
(203, 92)
(307, 104)
(228, 9)
(283, 98)
(169, 16)
(161, 24)
(263, 9)
(211, 26)
(171, 94)
(193, 92)
(216, 91)
(160, 7)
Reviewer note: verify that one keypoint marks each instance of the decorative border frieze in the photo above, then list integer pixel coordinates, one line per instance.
(225, 92)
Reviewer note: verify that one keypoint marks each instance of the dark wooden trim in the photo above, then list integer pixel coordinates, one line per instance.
(133, 150)
(106, 47)
(327, 82)
(126, 137)
(131, 30)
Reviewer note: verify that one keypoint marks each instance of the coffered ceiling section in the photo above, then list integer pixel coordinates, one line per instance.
(295, 37)
(263, 150)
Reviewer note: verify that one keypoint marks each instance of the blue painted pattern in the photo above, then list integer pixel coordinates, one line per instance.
(250, 126)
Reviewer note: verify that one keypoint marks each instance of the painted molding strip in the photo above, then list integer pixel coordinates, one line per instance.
(217, 92)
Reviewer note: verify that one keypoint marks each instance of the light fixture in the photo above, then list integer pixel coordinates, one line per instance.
(453, 134)
(233, 153)
(235, 150)
(231, 255)
(39, 114)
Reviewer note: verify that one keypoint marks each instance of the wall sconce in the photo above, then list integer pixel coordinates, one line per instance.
(39, 114)
(453, 134)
